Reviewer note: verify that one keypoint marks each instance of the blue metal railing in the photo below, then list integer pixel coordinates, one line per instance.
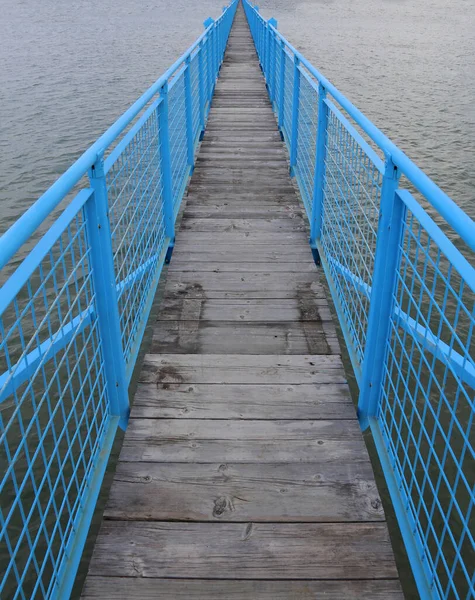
(405, 298)
(73, 314)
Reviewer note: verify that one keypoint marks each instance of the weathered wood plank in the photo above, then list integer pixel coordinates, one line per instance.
(195, 335)
(244, 551)
(243, 441)
(231, 401)
(234, 253)
(265, 211)
(242, 369)
(290, 309)
(244, 282)
(122, 588)
(276, 226)
(301, 492)
(243, 267)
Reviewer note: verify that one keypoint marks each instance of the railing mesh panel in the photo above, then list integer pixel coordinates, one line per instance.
(306, 141)
(54, 412)
(278, 62)
(288, 94)
(178, 137)
(352, 191)
(428, 407)
(134, 185)
(195, 95)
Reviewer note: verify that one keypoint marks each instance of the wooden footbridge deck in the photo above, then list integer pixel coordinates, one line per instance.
(243, 473)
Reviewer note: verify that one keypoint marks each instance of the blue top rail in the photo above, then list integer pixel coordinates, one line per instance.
(405, 299)
(73, 311)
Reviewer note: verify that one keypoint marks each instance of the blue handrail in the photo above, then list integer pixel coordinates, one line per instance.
(405, 298)
(73, 314)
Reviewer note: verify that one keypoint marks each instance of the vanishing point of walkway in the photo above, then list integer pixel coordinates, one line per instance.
(243, 474)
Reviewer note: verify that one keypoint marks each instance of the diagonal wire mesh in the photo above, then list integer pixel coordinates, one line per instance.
(351, 195)
(54, 409)
(277, 53)
(134, 183)
(306, 139)
(288, 94)
(195, 96)
(178, 138)
(427, 410)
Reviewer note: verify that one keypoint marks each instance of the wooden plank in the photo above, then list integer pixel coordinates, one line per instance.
(234, 253)
(228, 337)
(244, 551)
(242, 267)
(303, 492)
(243, 441)
(236, 211)
(242, 369)
(231, 401)
(244, 282)
(123, 588)
(276, 226)
(290, 309)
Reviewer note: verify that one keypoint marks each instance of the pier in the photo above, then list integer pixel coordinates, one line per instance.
(290, 250)
(243, 463)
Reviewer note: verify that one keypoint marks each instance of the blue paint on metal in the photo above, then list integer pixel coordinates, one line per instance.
(405, 299)
(386, 263)
(106, 306)
(169, 253)
(67, 575)
(295, 117)
(281, 85)
(320, 158)
(165, 166)
(189, 115)
(201, 91)
(73, 314)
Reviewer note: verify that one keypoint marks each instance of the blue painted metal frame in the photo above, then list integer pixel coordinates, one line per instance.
(405, 299)
(73, 313)
(107, 311)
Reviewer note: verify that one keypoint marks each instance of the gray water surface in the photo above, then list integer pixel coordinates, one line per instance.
(69, 69)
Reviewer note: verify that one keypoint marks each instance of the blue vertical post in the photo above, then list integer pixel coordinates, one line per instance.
(106, 303)
(272, 63)
(319, 175)
(392, 213)
(216, 57)
(209, 59)
(202, 98)
(281, 87)
(189, 114)
(165, 163)
(222, 36)
(264, 50)
(209, 63)
(295, 117)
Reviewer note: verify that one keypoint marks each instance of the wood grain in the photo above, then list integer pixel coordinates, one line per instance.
(245, 492)
(244, 551)
(120, 588)
(215, 401)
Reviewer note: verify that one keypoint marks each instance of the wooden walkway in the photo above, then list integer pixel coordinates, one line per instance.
(243, 474)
